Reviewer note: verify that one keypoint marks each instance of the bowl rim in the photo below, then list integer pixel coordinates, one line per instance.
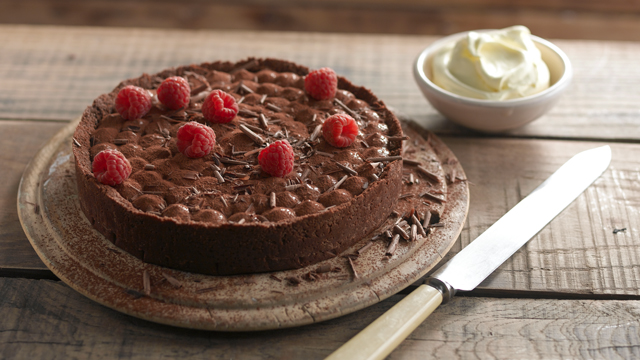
(421, 76)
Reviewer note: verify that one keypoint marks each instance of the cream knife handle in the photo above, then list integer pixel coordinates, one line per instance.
(378, 339)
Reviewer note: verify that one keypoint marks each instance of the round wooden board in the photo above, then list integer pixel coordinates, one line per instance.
(81, 257)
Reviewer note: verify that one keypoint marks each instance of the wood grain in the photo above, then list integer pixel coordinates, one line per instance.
(612, 20)
(66, 68)
(21, 140)
(47, 319)
(578, 252)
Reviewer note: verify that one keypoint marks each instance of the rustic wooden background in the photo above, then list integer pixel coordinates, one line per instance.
(559, 19)
(50, 74)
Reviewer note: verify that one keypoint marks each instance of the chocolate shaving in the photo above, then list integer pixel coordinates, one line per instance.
(347, 109)
(244, 88)
(353, 268)
(384, 159)
(199, 89)
(247, 113)
(275, 278)
(293, 281)
(364, 143)
(426, 219)
(273, 107)
(428, 174)
(414, 232)
(120, 141)
(411, 179)
(305, 173)
(134, 188)
(311, 276)
(233, 161)
(324, 154)
(436, 225)
(170, 119)
(292, 187)
(253, 136)
(411, 162)
(316, 133)
(452, 176)
(337, 185)
(249, 153)
(190, 176)
(324, 268)
(405, 195)
(433, 196)
(255, 128)
(365, 248)
(347, 169)
(397, 138)
(263, 121)
(216, 173)
(224, 201)
(149, 167)
(146, 282)
(245, 66)
(216, 160)
(263, 98)
(272, 200)
(394, 244)
(136, 294)
(173, 281)
(415, 221)
(206, 290)
(401, 231)
(200, 96)
(132, 128)
(615, 231)
(76, 143)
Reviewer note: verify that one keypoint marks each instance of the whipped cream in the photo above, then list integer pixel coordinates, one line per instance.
(494, 65)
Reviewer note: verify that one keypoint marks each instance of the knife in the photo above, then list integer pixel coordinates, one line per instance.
(480, 258)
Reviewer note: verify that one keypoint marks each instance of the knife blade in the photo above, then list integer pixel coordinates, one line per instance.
(480, 258)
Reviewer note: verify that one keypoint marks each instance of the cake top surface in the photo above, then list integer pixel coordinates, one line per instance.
(228, 186)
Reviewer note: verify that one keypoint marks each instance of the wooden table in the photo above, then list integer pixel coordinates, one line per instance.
(572, 292)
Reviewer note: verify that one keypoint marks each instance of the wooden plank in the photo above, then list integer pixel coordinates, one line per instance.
(616, 20)
(21, 140)
(42, 318)
(66, 68)
(578, 252)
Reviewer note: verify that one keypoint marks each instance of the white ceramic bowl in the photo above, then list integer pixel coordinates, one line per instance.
(494, 115)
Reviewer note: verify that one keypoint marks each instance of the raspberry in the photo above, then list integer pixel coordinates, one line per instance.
(277, 158)
(195, 140)
(321, 84)
(133, 102)
(174, 92)
(219, 107)
(340, 130)
(110, 167)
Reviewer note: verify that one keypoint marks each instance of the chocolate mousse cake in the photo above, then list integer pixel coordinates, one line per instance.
(222, 214)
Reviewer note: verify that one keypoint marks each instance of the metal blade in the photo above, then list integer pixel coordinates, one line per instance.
(482, 256)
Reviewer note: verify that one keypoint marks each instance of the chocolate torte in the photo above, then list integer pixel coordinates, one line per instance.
(220, 214)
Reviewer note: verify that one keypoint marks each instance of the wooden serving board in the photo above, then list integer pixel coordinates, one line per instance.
(80, 256)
